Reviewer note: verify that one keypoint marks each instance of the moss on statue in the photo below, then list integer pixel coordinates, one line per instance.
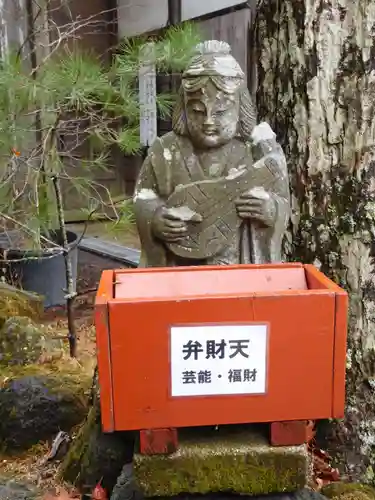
(241, 464)
(349, 491)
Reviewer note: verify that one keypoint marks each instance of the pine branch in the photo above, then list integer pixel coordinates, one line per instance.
(65, 103)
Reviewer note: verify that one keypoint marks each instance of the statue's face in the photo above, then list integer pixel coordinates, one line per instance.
(212, 116)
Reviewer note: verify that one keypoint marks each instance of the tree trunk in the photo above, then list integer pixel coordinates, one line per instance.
(315, 66)
(95, 457)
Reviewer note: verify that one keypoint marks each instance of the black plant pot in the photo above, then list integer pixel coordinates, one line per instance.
(43, 272)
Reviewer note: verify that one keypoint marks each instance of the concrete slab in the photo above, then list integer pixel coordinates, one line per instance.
(128, 256)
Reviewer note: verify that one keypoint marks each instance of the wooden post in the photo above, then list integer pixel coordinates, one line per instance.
(174, 17)
(147, 97)
(174, 11)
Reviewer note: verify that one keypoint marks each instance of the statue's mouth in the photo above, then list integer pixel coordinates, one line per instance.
(210, 133)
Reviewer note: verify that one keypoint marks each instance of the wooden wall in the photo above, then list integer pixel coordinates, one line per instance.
(232, 28)
(13, 23)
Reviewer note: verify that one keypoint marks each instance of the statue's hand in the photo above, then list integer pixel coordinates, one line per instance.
(257, 205)
(167, 226)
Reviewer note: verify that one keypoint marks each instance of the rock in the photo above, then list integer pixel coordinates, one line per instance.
(349, 491)
(23, 342)
(14, 302)
(35, 408)
(10, 490)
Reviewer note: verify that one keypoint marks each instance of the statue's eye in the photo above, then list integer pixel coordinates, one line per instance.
(196, 109)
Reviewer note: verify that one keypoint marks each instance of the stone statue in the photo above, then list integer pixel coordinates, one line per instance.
(214, 190)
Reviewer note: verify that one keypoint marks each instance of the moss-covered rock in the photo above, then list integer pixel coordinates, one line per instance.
(9, 490)
(349, 491)
(14, 302)
(23, 342)
(36, 402)
(95, 456)
(236, 462)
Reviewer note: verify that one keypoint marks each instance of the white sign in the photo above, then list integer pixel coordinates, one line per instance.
(147, 96)
(218, 360)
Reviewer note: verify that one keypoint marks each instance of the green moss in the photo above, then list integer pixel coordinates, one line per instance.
(349, 491)
(76, 458)
(70, 383)
(238, 463)
(23, 342)
(95, 456)
(43, 400)
(14, 302)
(71, 387)
(62, 377)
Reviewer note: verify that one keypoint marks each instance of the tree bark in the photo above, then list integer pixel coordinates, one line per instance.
(315, 66)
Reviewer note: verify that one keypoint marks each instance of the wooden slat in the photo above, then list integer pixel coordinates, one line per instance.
(197, 8)
(232, 28)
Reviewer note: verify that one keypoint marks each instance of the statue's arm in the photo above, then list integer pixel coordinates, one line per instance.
(147, 198)
(146, 202)
(270, 156)
(280, 193)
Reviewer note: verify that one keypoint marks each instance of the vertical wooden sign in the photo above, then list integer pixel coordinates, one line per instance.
(147, 96)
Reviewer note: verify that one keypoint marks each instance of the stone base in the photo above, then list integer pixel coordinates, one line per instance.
(238, 461)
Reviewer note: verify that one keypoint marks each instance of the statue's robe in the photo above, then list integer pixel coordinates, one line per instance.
(172, 162)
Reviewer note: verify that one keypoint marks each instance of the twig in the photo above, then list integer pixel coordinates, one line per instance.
(78, 242)
(70, 291)
(29, 231)
(87, 290)
(30, 258)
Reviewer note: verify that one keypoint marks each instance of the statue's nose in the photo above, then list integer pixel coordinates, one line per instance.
(209, 121)
(209, 124)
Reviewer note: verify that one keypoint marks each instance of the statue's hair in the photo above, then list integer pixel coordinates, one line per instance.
(213, 47)
(247, 115)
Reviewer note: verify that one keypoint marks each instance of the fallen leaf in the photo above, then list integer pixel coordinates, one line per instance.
(323, 473)
(99, 493)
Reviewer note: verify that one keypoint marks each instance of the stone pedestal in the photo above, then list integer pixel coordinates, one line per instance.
(224, 460)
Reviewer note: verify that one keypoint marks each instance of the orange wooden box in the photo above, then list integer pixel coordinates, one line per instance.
(291, 366)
